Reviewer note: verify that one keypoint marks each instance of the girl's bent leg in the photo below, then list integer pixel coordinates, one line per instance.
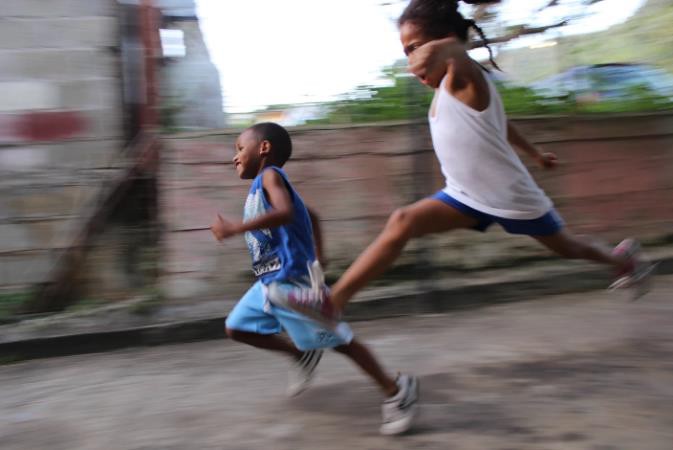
(418, 219)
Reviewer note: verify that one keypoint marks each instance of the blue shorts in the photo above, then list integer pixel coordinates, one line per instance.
(255, 315)
(546, 225)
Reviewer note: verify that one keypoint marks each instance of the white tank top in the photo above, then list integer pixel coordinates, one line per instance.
(480, 166)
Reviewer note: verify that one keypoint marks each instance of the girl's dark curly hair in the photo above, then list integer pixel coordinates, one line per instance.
(439, 18)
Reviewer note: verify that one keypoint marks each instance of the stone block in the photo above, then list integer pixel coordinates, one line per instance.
(93, 7)
(97, 93)
(18, 270)
(58, 8)
(181, 287)
(28, 95)
(107, 124)
(11, 66)
(17, 33)
(14, 237)
(76, 32)
(98, 31)
(47, 202)
(36, 8)
(18, 159)
(91, 63)
(85, 154)
(32, 64)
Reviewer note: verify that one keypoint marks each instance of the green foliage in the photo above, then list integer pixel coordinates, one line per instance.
(522, 101)
(10, 304)
(152, 300)
(525, 101)
(403, 98)
(638, 99)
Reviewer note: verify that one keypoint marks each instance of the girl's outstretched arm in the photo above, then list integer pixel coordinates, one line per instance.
(545, 160)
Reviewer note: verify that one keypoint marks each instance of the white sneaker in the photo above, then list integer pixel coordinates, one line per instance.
(302, 372)
(400, 410)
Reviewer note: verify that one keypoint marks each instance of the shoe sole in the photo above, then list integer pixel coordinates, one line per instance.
(401, 426)
(641, 284)
(404, 425)
(294, 390)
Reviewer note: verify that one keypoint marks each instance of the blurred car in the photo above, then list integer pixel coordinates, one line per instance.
(601, 82)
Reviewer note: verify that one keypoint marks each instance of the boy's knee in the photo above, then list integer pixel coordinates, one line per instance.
(232, 334)
(343, 349)
(399, 224)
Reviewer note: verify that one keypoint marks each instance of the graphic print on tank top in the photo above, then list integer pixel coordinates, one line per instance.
(264, 260)
(280, 253)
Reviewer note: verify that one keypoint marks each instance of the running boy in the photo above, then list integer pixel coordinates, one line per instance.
(279, 230)
(486, 182)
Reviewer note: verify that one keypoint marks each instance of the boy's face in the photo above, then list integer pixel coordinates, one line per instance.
(248, 157)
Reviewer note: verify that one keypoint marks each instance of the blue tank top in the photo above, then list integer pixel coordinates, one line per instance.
(281, 253)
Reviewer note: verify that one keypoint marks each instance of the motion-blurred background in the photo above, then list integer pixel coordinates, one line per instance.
(117, 123)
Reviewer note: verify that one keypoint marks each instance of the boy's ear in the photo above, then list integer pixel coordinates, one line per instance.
(264, 148)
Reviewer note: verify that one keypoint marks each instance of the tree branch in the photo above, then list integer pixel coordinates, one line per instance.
(517, 33)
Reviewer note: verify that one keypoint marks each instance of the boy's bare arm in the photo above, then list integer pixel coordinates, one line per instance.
(280, 200)
(317, 236)
(545, 160)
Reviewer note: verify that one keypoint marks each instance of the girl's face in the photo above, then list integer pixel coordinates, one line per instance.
(411, 37)
(425, 62)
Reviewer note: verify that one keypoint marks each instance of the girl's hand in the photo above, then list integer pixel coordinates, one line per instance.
(223, 229)
(430, 61)
(547, 160)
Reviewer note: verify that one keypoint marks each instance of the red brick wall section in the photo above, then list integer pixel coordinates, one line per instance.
(616, 179)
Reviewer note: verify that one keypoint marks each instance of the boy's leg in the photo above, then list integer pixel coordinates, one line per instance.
(250, 324)
(418, 219)
(400, 406)
(361, 356)
(272, 342)
(253, 322)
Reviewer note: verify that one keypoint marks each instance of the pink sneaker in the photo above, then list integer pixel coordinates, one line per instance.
(638, 271)
(311, 302)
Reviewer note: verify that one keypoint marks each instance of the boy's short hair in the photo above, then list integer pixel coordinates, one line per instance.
(278, 137)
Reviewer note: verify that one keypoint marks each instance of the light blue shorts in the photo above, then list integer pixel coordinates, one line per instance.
(254, 314)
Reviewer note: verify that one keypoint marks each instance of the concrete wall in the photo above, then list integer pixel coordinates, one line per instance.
(191, 83)
(616, 179)
(61, 127)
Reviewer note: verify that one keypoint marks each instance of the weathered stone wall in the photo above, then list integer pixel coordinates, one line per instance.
(61, 130)
(616, 179)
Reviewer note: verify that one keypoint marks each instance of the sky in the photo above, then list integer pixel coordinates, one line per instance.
(300, 51)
